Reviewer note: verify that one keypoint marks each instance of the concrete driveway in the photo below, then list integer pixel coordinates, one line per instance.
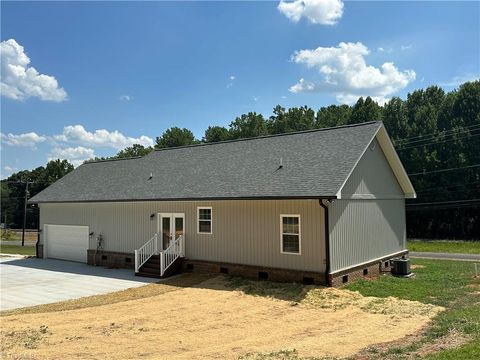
(31, 281)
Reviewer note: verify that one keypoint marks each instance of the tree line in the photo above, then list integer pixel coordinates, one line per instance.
(436, 134)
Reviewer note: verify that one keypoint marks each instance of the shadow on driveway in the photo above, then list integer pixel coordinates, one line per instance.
(74, 268)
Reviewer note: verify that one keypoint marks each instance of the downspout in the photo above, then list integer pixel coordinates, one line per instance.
(325, 203)
(38, 234)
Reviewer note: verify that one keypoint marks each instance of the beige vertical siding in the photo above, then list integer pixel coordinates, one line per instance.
(371, 223)
(244, 231)
(362, 230)
(373, 176)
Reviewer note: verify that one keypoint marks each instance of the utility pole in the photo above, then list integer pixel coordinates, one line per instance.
(25, 213)
(5, 227)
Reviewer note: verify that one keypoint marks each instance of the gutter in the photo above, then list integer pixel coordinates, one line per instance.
(325, 203)
(222, 198)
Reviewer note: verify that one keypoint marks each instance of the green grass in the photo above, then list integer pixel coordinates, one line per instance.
(17, 249)
(444, 246)
(450, 284)
(10, 235)
(468, 351)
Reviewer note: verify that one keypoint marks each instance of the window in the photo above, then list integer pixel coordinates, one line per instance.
(290, 234)
(204, 225)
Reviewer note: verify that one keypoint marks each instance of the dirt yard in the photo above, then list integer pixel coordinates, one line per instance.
(214, 319)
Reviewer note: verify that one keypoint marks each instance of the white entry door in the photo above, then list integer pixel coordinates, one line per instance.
(66, 242)
(170, 226)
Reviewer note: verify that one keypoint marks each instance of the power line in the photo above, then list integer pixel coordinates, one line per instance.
(437, 142)
(445, 202)
(23, 182)
(444, 186)
(444, 207)
(434, 138)
(444, 170)
(462, 128)
(424, 194)
(457, 204)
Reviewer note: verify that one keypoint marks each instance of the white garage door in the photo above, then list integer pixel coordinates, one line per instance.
(66, 242)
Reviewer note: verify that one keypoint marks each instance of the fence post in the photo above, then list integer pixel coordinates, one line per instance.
(162, 263)
(182, 244)
(136, 261)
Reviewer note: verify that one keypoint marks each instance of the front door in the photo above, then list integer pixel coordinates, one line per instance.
(170, 227)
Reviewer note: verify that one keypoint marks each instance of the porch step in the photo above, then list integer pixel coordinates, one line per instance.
(152, 268)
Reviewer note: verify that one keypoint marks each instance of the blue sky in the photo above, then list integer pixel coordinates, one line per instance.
(126, 71)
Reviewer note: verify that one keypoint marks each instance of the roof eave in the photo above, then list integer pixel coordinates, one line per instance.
(306, 197)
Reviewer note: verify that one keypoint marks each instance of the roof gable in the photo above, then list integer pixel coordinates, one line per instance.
(399, 174)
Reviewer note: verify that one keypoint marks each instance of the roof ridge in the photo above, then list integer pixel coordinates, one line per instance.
(113, 159)
(237, 140)
(268, 136)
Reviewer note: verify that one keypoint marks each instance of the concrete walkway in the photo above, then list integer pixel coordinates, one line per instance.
(30, 281)
(445, 256)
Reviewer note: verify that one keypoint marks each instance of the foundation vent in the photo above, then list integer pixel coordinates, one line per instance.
(263, 275)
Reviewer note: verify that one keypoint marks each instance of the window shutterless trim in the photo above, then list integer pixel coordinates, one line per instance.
(299, 234)
(198, 219)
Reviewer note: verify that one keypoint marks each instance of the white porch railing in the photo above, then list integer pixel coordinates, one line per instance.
(148, 249)
(170, 254)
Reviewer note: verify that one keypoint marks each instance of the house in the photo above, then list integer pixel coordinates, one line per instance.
(319, 206)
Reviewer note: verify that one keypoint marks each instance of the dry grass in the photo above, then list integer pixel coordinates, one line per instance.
(336, 299)
(210, 320)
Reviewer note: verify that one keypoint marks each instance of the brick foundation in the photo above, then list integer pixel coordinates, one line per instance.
(111, 259)
(373, 269)
(254, 272)
(369, 270)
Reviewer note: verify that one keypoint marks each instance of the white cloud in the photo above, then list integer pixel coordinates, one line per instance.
(460, 79)
(114, 139)
(231, 78)
(385, 50)
(125, 97)
(255, 98)
(27, 139)
(346, 74)
(8, 170)
(19, 81)
(303, 86)
(75, 155)
(325, 12)
(406, 47)
(75, 144)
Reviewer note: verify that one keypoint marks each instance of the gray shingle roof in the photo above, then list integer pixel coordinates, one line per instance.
(315, 164)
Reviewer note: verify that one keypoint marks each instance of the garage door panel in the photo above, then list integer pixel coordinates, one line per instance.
(67, 242)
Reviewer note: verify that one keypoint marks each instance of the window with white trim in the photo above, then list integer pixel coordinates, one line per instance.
(290, 234)
(204, 220)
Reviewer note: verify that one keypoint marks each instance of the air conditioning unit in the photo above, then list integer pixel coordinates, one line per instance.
(401, 266)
